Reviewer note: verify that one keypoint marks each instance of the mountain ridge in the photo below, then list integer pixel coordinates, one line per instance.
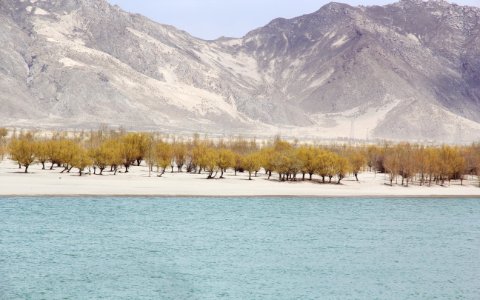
(375, 71)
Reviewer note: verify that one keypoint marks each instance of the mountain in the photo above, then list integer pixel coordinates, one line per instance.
(409, 70)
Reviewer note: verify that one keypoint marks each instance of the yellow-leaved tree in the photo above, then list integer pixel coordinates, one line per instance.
(357, 160)
(208, 161)
(81, 160)
(22, 150)
(42, 152)
(226, 160)
(163, 157)
(251, 163)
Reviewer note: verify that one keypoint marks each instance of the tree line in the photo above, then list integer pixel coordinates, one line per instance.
(116, 151)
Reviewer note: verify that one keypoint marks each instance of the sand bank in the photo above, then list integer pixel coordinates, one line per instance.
(13, 182)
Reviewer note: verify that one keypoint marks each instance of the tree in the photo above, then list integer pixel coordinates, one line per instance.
(102, 156)
(407, 162)
(458, 166)
(133, 146)
(432, 164)
(341, 168)
(392, 164)
(142, 144)
(375, 157)
(308, 158)
(81, 160)
(421, 161)
(68, 151)
(180, 155)
(477, 167)
(149, 155)
(209, 160)
(357, 161)
(54, 152)
(295, 165)
(22, 151)
(452, 164)
(324, 164)
(332, 166)
(251, 163)
(199, 153)
(42, 152)
(163, 156)
(115, 155)
(238, 165)
(280, 162)
(226, 160)
(266, 155)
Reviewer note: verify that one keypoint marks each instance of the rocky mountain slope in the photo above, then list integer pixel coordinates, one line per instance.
(409, 70)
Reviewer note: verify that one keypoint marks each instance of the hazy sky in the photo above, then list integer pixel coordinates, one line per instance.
(210, 19)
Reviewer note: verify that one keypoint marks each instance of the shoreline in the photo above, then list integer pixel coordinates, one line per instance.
(160, 196)
(137, 183)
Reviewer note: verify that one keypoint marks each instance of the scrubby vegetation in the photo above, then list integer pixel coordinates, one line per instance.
(111, 152)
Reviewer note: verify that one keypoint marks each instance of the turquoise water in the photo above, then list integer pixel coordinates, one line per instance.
(251, 248)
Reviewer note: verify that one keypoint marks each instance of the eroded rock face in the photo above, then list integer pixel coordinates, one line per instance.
(406, 70)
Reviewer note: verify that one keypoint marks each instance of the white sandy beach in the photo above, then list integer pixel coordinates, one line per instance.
(13, 182)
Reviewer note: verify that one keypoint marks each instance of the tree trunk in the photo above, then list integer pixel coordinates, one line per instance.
(43, 165)
(26, 169)
(249, 175)
(161, 174)
(356, 176)
(211, 176)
